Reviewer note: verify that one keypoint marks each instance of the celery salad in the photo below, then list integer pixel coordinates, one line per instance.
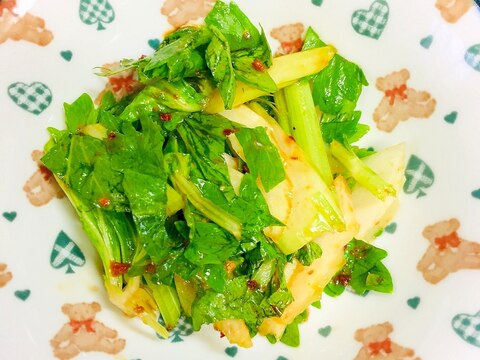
(227, 188)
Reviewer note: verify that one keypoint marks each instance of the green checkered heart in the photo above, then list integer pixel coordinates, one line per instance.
(472, 57)
(184, 328)
(34, 98)
(468, 327)
(96, 12)
(66, 253)
(418, 176)
(371, 22)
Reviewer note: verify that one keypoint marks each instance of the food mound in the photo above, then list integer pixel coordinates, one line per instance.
(225, 186)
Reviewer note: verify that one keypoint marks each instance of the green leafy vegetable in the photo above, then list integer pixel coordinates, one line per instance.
(345, 129)
(179, 56)
(363, 270)
(262, 156)
(336, 90)
(210, 245)
(179, 174)
(220, 63)
(310, 252)
(235, 25)
(217, 54)
(80, 113)
(291, 336)
(252, 71)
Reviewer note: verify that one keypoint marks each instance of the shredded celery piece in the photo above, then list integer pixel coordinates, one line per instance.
(282, 111)
(305, 127)
(365, 176)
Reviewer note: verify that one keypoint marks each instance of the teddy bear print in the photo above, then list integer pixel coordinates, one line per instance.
(290, 37)
(400, 102)
(180, 12)
(41, 187)
(120, 84)
(447, 252)
(27, 27)
(5, 276)
(378, 345)
(84, 334)
(452, 10)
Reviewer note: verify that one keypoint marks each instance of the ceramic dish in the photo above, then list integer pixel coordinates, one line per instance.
(429, 54)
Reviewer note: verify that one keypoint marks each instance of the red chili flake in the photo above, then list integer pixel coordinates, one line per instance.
(104, 202)
(165, 117)
(227, 132)
(252, 285)
(150, 268)
(245, 168)
(46, 173)
(142, 57)
(258, 65)
(222, 335)
(139, 309)
(112, 135)
(343, 279)
(118, 268)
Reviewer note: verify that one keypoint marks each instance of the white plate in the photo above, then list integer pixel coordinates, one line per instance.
(443, 177)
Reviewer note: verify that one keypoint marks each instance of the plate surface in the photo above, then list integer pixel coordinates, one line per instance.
(428, 53)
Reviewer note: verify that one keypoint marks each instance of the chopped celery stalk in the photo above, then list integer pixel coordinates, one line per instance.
(282, 112)
(284, 71)
(167, 301)
(328, 211)
(298, 65)
(365, 176)
(175, 202)
(305, 127)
